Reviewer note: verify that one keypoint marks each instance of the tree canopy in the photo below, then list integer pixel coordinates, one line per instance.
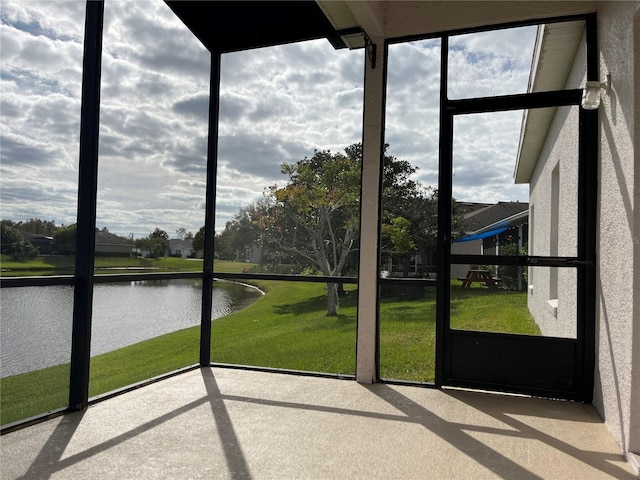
(156, 243)
(315, 216)
(312, 221)
(65, 239)
(12, 242)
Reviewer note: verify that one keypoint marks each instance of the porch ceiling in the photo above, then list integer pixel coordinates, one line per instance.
(227, 26)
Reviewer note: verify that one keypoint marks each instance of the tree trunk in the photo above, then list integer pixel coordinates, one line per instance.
(332, 300)
(405, 266)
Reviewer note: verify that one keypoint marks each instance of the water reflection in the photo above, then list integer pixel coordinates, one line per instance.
(36, 321)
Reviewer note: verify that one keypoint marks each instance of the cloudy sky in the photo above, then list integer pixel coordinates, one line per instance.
(277, 105)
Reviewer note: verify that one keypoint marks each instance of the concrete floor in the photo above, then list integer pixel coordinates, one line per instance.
(223, 423)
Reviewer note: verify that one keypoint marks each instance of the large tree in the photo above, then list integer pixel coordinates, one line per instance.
(37, 226)
(12, 242)
(198, 240)
(10, 237)
(157, 243)
(315, 216)
(409, 212)
(65, 240)
(313, 220)
(240, 233)
(401, 240)
(416, 212)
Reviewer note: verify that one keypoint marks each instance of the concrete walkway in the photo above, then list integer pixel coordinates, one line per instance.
(236, 424)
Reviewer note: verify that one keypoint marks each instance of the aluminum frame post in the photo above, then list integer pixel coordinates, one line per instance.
(87, 201)
(210, 214)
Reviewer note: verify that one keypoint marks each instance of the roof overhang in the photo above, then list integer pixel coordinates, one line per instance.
(516, 219)
(228, 26)
(482, 235)
(553, 56)
(342, 19)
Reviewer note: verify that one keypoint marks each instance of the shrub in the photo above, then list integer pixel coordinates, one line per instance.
(509, 273)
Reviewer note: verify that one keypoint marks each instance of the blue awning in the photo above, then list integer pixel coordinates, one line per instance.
(478, 236)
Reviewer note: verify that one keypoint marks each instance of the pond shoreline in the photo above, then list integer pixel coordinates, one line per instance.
(37, 321)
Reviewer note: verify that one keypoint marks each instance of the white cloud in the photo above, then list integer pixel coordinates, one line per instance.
(485, 146)
(490, 63)
(277, 104)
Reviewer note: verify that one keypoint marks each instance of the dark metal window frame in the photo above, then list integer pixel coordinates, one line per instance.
(584, 262)
(85, 278)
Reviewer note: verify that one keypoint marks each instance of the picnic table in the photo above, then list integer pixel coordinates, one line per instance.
(481, 276)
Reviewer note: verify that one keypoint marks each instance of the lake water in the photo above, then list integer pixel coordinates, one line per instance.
(35, 325)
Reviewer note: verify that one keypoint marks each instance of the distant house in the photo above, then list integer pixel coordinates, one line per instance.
(489, 228)
(110, 244)
(44, 243)
(253, 254)
(180, 248)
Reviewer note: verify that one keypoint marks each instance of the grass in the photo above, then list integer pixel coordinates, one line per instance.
(64, 265)
(407, 338)
(286, 328)
(491, 310)
(408, 333)
(28, 394)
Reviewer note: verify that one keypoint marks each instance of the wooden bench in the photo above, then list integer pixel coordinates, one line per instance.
(479, 276)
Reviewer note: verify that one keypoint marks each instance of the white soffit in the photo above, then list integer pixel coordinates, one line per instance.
(346, 15)
(341, 17)
(555, 50)
(339, 14)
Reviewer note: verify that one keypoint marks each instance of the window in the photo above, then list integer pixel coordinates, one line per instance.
(288, 205)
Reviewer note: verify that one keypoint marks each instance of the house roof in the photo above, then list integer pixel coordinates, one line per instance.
(555, 49)
(178, 243)
(468, 207)
(494, 215)
(36, 236)
(107, 238)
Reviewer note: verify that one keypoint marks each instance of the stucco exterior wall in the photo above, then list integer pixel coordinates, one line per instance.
(555, 309)
(618, 216)
(555, 312)
(372, 146)
(634, 429)
(616, 374)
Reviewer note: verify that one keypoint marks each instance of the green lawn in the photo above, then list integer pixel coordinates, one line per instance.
(286, 328)
(408, 333)
(64, 265)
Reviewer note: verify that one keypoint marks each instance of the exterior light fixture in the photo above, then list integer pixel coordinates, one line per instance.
(591, 93)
